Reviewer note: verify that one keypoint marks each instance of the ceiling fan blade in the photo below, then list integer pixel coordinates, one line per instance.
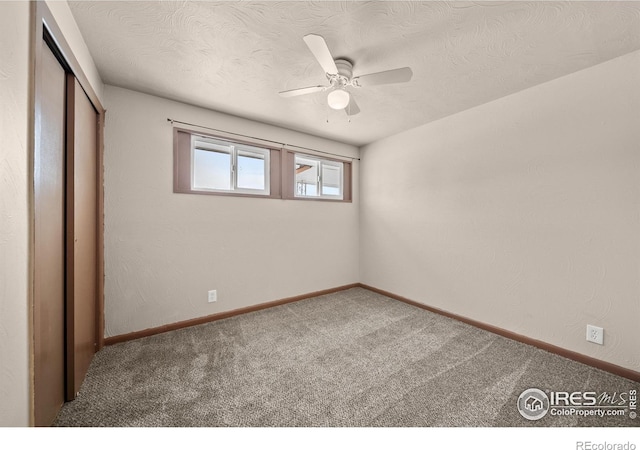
(352, 108)
(319, 48)
(387, 77)
(302, 91)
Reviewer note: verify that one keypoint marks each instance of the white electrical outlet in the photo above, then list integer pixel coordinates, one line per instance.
(213, 296)
(595, 334)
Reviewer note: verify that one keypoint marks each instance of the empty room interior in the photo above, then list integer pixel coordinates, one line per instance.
(320, 214)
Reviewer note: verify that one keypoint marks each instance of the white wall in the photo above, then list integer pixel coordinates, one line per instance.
(523, 213)
(164, 251)
(14, 213)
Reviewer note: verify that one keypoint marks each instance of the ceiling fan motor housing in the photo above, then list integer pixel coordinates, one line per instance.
(345, 72)
(345, 68)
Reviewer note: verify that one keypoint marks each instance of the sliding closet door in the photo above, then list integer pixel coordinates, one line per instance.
(49, 240)
(82, 234)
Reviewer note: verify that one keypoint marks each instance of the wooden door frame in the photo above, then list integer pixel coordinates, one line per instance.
(45, 27)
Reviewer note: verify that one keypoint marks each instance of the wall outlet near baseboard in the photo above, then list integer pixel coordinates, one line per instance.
(213, 296)
(595, 334)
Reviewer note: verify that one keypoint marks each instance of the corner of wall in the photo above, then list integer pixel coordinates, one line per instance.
(15, 37)
(527, 220)
(67, 23)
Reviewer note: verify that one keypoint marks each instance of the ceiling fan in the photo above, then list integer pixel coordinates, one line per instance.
(339, 72)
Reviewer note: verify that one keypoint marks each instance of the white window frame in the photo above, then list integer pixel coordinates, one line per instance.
(321, 163)
(233, 149)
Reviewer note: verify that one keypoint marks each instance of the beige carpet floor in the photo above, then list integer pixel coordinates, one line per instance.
(350, 359)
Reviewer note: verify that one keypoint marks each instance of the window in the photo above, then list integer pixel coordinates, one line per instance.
(210, 165)
(225, 166)
(318, 178)
(213, 165)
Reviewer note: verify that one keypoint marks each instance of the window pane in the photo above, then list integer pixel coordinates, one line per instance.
(251, 170)
(211, 170)
(331, 180)
(306, 177)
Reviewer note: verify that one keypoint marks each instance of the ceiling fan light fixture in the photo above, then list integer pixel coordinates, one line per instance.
(338, 99)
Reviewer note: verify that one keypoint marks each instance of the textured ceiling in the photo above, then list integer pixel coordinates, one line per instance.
(235, 57)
